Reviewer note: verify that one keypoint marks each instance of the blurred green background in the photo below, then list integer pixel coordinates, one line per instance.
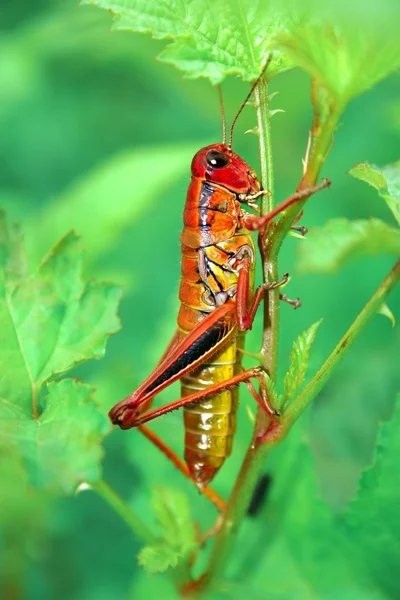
(97, 136)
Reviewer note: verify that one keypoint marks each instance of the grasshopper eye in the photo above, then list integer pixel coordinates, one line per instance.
(216, 159)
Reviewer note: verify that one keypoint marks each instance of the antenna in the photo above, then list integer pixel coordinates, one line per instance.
(221, 103)
(246, 99)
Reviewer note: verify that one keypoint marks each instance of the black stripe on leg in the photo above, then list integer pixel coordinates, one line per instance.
(203, 344)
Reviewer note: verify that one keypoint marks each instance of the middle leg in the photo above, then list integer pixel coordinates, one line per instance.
(245, 313)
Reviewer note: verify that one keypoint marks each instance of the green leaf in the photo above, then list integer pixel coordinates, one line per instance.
(323, 554)
(49, 322)
(306, 554)
(172, 512)
(299, 358)
(344, 56)
(111, 197)
(274, 398)
(13, 260)
(155, 559)
(210, 39)
(386, 180)
(234, 37)
(373, 516)
(62, 447)
(341, 241)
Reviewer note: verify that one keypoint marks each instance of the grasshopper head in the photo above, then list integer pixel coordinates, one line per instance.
(219, 164)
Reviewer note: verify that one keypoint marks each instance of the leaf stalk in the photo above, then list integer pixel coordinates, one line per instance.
(110, 496)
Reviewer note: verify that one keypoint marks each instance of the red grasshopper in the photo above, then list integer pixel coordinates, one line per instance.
(218, 305)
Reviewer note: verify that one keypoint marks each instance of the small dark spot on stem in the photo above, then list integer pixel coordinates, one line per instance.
(260, 495)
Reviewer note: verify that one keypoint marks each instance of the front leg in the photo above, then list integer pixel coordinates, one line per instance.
(249, 199)
(254, 222)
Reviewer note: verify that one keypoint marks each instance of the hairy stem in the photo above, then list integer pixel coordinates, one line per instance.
(270, 263)
(264, 133)
(322, 143)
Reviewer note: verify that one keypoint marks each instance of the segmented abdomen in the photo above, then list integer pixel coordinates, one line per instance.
(209, 425)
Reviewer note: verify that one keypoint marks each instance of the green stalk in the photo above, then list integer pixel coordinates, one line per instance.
(322, 142)
(256, 454)
(264, 132)
(269, 261)
(180, 575)
(255, 457)
(304, 399)
(125, 512)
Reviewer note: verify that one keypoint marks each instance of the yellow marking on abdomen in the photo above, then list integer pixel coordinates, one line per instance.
(211, 424)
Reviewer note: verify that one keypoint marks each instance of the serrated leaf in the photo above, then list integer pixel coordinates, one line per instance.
(323, 554)
(159, 558)
(50, 321)
(299, 358)
(177, 536)
(341, 241)
(306, 554)
(344, 56)
(273, 396)
(373, 516)
(61, 448)
(210, 39)
(172, 511)
(213, 39)
(386, 180)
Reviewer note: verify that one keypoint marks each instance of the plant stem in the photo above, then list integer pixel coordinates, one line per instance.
(313, 388)
(270, 262)
(322, 141)
(270, 245)
(125, 512)
(181, 574)
(264, 132)
(254, 459)
(257, 453)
